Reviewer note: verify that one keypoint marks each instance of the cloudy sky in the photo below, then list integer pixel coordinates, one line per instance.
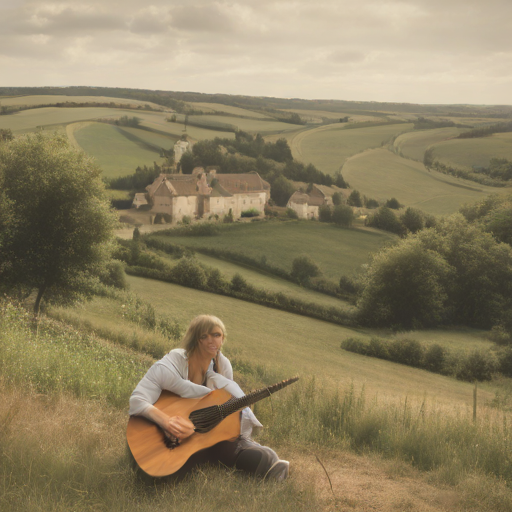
(420, 51)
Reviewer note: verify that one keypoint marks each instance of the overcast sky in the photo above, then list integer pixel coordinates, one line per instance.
(419, 51)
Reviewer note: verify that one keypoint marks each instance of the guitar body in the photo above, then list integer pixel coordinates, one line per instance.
(146, 440)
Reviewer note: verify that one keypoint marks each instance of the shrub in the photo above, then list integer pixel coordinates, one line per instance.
(337, 198)
(412, 220)
(371, 203)
(292, 214)
(324, 213)
(505, 362)
(406, 351)
(354, 199)
(385, 219)
(477, 366)
(252, 212)
(356, 345)
(393, 204)
(238, 283)
(435, 358)
(343, 215)
(189, 273)
(228, 218)
(186, 219)
(348, 285)
(114, 275)
(378, 348)
(303, 268)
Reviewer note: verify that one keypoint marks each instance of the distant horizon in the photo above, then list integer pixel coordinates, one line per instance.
(255, 95)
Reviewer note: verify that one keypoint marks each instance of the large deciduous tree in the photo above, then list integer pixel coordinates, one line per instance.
(56, 224)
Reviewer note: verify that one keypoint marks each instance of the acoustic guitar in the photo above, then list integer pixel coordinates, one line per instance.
(214, 419)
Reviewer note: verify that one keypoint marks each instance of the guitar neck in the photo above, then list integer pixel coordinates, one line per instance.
(236, 404)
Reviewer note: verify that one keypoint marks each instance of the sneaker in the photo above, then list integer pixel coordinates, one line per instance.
(278, 471)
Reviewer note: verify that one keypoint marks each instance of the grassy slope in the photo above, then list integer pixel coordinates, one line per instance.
(414, 144)
(28, 120)
(114, 152)
(467, 153)
(51, 99)
(329, 147)
(336, 251)
(289, 344)
(271, 283)
(381, 174)
(228, 109)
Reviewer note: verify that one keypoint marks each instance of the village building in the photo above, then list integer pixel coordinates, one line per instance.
(204, 194)
(306, 205)
(180, 148)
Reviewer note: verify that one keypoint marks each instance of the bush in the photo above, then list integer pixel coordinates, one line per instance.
(393, 204)
(343, 215)
(406, 351)
(238, 283)
(325, 213)
(228, 218)
(186, 219)
(371, 203)
(303, 268)
(378, 348)
(189, 273)
(477, 366)
(412, 220)
(356, 345)
(337, 198)
(114, 275)
(348, 285)
(385, 219)
(354, 199)
(253, 212)
(435, 358)
(292, 214)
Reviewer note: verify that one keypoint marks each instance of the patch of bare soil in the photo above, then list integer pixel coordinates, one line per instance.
(368, 483)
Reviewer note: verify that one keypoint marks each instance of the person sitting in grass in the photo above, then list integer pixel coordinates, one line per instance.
(192, 372)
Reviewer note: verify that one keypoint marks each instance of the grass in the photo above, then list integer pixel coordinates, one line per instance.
(336, 251)
(414, 144)
(263, 126)
(118, 151)
(61, 462)
(270, 283)
(467, 153)
(381, 175)
(289, 344)
(227, 109)
(29, 120)
(329, 147)
(41, 99)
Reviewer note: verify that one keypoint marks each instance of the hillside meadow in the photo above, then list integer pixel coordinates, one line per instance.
(227, 109)
(336, 251)
(381, 174)
(41, 99)
(117, 150)
(414, 144)
(347, 449)
(329, 147)
(477, 152)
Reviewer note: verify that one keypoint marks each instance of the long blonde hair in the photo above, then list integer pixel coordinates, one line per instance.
(200, 325)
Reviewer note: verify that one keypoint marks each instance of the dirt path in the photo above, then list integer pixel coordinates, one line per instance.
(369, 483)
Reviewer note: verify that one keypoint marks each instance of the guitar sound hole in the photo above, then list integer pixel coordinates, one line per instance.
(170, 441)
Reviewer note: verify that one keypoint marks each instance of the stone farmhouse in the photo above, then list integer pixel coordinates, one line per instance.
(306, 205)
(203, 194)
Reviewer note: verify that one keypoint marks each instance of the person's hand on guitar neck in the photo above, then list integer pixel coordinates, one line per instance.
(177, 426)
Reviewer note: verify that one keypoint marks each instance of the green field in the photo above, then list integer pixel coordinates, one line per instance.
(228, 109)
(467, 153)
(30, 120)
(290, 344)
(118, 151)
(381, 174)
(336, 251)
(414, 144)
(263, 126)
(329, 147)
(49, 99)
(271, 283)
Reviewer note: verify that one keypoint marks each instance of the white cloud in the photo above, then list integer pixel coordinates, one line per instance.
(415, 50)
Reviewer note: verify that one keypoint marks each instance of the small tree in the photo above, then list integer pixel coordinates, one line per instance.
(303, 268)
(354, 199)
(412, 220)
(325, 213)
(58, 220)
(337, 198)
(393, 204)
(343, 215)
